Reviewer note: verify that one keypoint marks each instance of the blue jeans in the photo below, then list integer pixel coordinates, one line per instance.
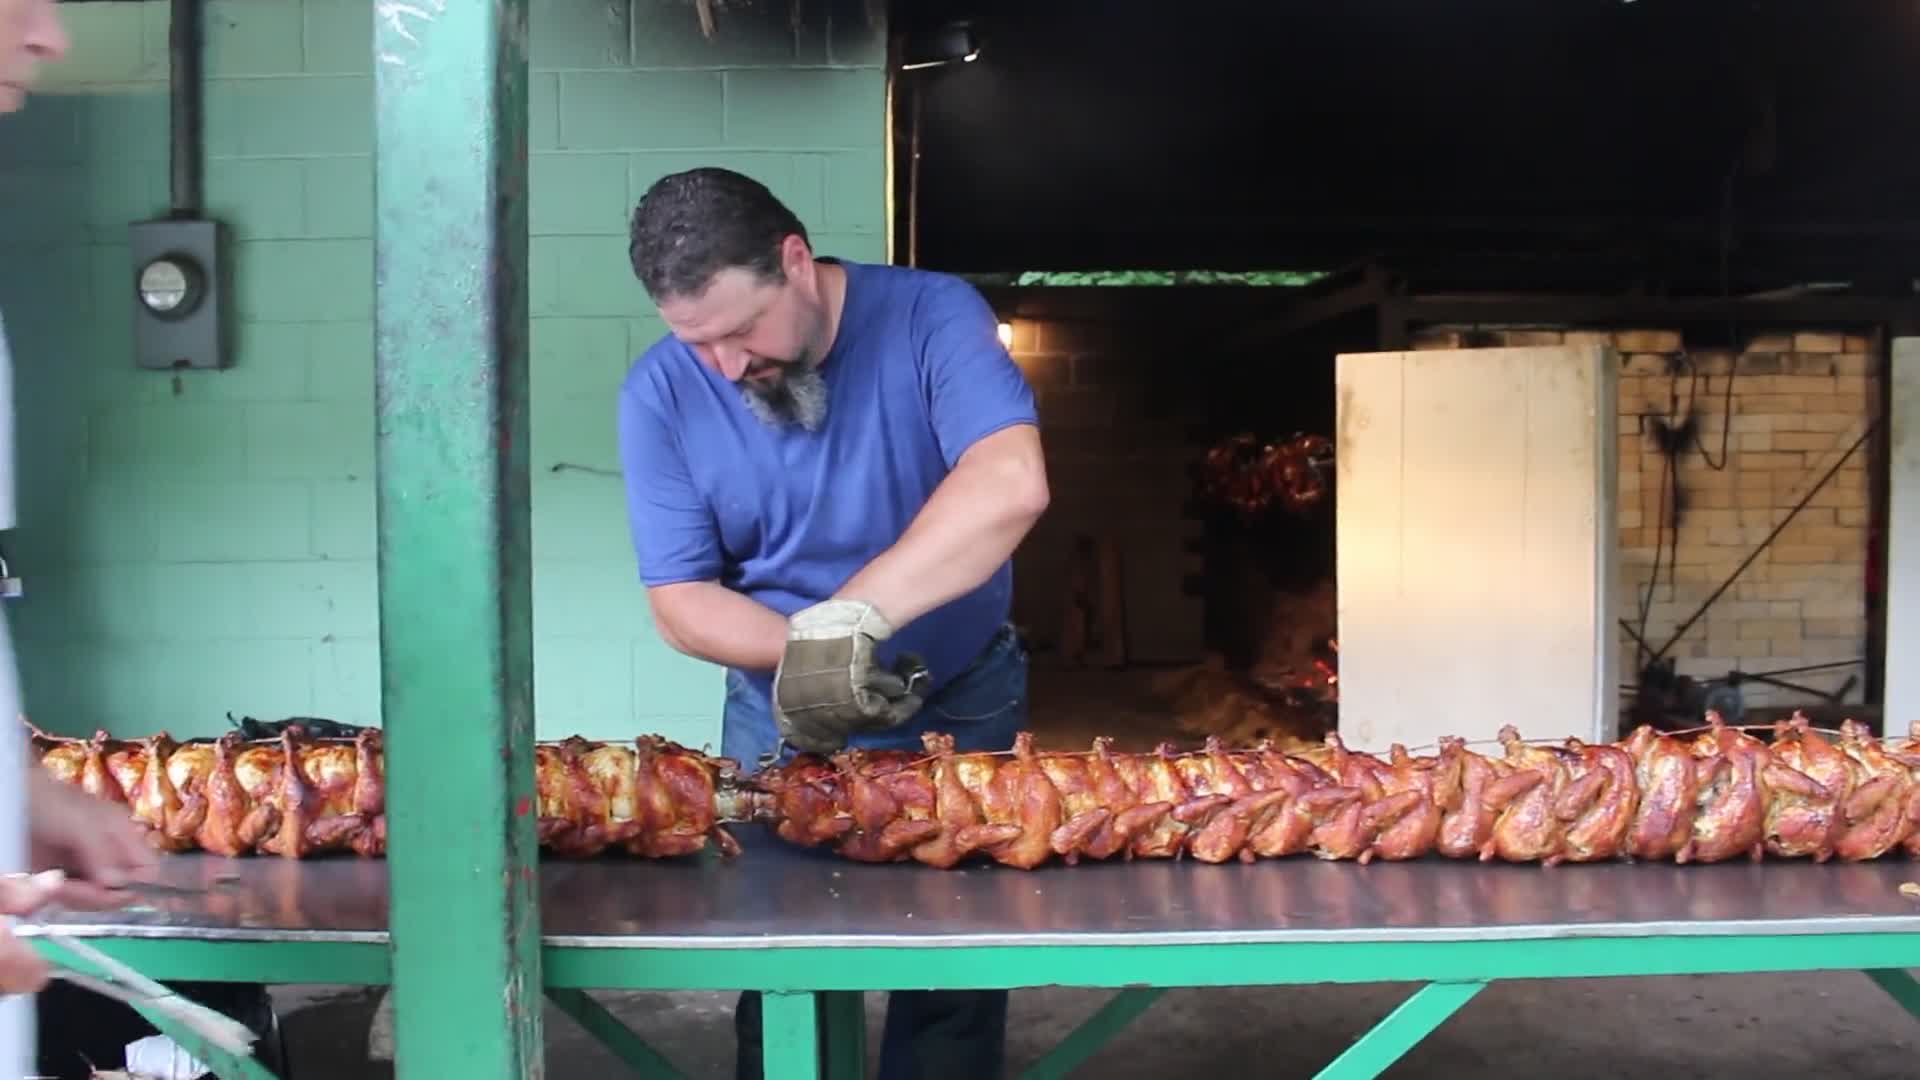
(930, 1034)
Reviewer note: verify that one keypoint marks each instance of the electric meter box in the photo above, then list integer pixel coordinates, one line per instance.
(179, 302)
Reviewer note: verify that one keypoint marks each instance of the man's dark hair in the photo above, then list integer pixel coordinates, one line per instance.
(692, 225)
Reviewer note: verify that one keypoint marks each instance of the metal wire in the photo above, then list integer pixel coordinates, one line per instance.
(1832, 470)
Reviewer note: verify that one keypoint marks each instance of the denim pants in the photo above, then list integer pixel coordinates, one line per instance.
(930, 1034)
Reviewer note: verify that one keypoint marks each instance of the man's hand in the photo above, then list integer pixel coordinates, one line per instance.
(22, 970)
(93, 841)
(827, 685)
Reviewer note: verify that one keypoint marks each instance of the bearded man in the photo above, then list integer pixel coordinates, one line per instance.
(828, 466)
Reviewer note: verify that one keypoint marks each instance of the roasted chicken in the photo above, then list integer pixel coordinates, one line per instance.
(1251, 476)
(1807, 778)
(297, 796)
(1719, 795)
(1713, 795)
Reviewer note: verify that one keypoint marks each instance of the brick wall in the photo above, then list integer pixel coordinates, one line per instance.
(1798, 402)
(1122, 431)
(1134, 385)
(204, 543)
(1118, 456)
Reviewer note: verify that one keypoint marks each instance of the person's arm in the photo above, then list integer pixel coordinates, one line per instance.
(675, 539)
(707, 620)
(90, 840)
(971, 525)
(985, 420)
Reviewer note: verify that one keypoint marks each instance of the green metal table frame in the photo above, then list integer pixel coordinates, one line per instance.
(814, 1023)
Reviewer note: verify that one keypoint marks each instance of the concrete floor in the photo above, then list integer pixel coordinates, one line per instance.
(1755, 1027)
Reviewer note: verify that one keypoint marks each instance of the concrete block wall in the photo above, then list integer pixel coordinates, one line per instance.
(1118, 463)
(1798, 402)
(203, 543)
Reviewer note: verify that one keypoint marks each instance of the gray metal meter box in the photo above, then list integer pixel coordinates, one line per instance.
(179, 295)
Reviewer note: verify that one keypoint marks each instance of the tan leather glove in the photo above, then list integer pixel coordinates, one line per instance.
(828, 684)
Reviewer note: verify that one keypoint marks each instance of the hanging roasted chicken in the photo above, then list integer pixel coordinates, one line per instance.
(1254, 477)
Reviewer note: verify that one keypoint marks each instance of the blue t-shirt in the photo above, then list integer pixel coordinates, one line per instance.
(916, 375)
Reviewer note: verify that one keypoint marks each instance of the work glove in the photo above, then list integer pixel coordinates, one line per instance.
(828, 684)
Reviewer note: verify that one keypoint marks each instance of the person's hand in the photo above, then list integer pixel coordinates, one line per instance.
(94, 842)
(828, 686)
(23, 970)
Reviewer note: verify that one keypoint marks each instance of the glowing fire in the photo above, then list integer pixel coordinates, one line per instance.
(1320, 680)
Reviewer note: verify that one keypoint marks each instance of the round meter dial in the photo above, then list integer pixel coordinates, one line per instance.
(169, 286)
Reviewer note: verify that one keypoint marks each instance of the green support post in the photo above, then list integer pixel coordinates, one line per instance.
(1391, 1038)
(619, 1039)
(456, 652)
(1900, 986)
(1086, 1040)
(790, 1035)
(844, 1016)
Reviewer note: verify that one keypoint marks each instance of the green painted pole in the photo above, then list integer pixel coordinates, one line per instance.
(1900, 986)
(1086, 1040)
(1403, 1028)
(790, 1035)
(619, 1039)
(844, 1020)
(456, 653)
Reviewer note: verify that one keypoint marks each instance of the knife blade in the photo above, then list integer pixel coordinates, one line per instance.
(155, 888)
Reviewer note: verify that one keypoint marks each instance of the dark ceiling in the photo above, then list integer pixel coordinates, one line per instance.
(1668, 145)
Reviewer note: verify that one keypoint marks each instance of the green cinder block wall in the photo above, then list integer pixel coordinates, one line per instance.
(203, 544)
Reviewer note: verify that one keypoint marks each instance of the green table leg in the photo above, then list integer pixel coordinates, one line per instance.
(452, 530)
(1089, 1037)
(1391, 1038)
(626, 1045)
(1900, 986)
(790, 1037)
(845, 1021)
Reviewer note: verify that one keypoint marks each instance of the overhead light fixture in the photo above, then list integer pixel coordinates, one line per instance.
(1006, 335)
(952, 43)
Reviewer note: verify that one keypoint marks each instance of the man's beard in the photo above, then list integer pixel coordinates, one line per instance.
(797, 396)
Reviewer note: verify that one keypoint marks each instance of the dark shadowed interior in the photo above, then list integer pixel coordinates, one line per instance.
(1468, 173)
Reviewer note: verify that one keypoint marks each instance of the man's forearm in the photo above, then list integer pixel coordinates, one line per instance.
(968, 528)
(707, 620)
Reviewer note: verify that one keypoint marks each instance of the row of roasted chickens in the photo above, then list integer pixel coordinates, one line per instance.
(297, 796)
(1711, 795)
(1718, 794)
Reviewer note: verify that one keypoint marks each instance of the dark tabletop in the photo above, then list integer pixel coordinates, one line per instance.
(775, 895)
